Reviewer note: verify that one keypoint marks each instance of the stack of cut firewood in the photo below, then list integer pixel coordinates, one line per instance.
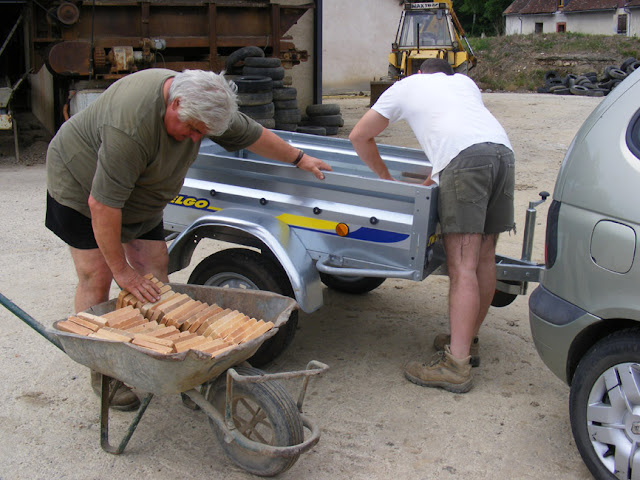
(173, 324)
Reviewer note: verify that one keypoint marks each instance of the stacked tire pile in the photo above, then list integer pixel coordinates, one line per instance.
(322, 119)
(264, 93)
(589, 84)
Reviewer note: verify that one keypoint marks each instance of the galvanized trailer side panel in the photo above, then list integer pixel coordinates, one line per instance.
(390, 224)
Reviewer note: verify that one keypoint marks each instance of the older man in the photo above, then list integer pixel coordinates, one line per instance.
(114, 166)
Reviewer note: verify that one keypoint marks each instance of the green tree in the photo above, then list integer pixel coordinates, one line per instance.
(482, 16)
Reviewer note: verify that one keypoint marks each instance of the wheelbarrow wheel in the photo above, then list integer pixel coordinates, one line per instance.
(262, 412)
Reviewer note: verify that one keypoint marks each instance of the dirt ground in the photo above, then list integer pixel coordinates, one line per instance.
(375, 425)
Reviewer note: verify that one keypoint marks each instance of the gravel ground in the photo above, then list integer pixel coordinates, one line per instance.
(375, 425)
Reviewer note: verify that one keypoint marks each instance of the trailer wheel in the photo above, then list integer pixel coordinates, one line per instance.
(354, 285)
(262, 412)
(244, 268)
(502, 299)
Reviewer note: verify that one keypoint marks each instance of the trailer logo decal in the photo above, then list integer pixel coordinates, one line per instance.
(192, 202)
(305, 223)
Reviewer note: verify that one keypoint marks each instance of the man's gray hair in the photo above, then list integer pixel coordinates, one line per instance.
(206, 97)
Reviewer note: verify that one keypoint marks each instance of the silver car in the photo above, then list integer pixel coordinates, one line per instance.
(585, 314)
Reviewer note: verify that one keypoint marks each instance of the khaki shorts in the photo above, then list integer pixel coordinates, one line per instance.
(476, 191)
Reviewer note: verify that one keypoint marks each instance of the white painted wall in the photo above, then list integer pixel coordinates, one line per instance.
(602, 23)
(357, 37)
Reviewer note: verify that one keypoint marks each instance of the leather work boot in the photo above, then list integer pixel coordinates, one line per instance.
(124, 399)
(444, 371)
(443, 339)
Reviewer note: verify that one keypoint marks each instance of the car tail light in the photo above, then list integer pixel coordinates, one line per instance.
(551, 240)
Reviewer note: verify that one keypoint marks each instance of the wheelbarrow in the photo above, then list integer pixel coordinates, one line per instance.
(260, 427)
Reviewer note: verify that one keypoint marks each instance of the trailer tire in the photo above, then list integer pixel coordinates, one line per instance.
(242, 53)
(502, 299)
(353, 285)
(262, 412)
(244, 268)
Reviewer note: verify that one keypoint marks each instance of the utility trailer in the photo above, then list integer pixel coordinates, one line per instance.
(349, 231)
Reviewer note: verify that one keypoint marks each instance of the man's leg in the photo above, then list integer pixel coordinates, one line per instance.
(149, 256)
(463, 256)
(486, 277)
(94, 278)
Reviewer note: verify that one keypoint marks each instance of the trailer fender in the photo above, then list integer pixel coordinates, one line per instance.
(258, 230)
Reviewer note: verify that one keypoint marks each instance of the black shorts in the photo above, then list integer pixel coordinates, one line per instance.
(75, 229)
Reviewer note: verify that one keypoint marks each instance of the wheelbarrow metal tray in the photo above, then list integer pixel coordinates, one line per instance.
(160, 374)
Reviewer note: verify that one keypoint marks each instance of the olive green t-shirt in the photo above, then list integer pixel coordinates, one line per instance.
(118, 150)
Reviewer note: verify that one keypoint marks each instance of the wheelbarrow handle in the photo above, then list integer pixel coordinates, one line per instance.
(29, 320)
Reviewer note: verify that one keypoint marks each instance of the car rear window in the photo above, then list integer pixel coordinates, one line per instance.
(633, 134)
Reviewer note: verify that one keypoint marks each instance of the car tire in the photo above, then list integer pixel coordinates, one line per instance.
(603, 405)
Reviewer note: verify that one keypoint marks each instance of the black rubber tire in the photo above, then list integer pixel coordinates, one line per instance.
(561, 91)
(327, 120)
(275, 73)
(262, 62)
(252, 99)
(288, 115)
(286, 127)
(632, 68)
(253, 84)
(258, 111)
(587, 388)
(269, 123)
(323, 109)
(284, 93)
(285, 104)
(353, 285)
(617, 74)
(262, 412)
(242, 53)
(569, 80)
(502, 299)
(241, 267)
(550, 75)
(277, 83)
(626, 63)
(579, 90)
(311, 130)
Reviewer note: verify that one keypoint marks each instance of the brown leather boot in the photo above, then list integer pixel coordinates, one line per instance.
(124, 399)
(443, 339)
(444, 371)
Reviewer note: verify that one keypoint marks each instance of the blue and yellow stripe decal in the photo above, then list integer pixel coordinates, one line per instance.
(325, 227)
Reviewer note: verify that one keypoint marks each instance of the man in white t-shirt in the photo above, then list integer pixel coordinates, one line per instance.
(474, 167)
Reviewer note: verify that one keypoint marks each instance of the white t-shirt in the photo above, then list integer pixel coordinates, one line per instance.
(445, 112)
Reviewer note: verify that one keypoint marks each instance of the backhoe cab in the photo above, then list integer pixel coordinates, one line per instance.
(429, 30)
